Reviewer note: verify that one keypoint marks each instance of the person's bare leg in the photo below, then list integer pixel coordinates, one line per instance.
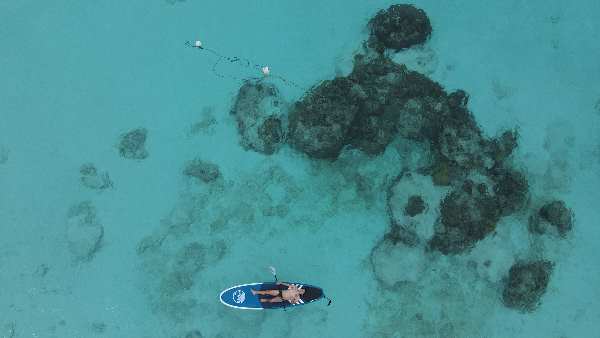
(265, 292)
(271, 300)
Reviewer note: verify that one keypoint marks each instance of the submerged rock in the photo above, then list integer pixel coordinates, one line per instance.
(204, 171)
(414, 206)
(526, 284)
(458, 144)
(416, 116)
(502, 147)
(554, 214)
(378, 100)
(259, 111)
(467, 216)
(83, 233)
(394, 101)
(320, 121)
(457, 137)
(398, 27)
(511, 189)
(132, 144)
(90, 178)
(372, 133)
(557, 214)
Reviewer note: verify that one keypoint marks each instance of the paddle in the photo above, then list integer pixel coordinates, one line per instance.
(273, 272)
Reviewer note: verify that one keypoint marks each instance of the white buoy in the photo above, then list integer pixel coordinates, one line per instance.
(265, 70)
(198, 44)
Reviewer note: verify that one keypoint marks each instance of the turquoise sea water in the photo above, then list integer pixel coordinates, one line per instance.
(76, 75)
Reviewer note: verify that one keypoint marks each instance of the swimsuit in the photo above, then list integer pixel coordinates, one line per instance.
(280, 295)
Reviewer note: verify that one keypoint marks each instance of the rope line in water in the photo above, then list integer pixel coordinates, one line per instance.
(264, 70)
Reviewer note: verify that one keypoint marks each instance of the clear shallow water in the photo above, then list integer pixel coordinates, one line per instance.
(75, 76)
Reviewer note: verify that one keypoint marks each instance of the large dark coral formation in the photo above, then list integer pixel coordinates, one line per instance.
(367, 109)
(204, 171)
(500, 148)
(458, 138)
(459, 145)
(395, 101)
(319, 123)
(399, 27)
(467, 216)
(526, 283)
(511, 189)
(470, 213)
(380, 100)
(258, 111)
(554, 214)
(132, 144)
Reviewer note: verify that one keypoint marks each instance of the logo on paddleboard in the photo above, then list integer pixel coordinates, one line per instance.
(239, 296)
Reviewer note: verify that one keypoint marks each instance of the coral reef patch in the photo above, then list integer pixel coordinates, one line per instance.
(92, 179)
(525, 285)
(259, 111)
(554, 214)
(398, 27)
(84, 232)
(204, 171)
(132, 144)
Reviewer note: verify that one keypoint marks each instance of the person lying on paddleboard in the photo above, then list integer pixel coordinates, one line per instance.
(292, 294)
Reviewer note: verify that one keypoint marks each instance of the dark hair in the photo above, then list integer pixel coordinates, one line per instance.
(311, 293)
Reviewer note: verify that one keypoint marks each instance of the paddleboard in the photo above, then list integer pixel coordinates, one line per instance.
(241, 297)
